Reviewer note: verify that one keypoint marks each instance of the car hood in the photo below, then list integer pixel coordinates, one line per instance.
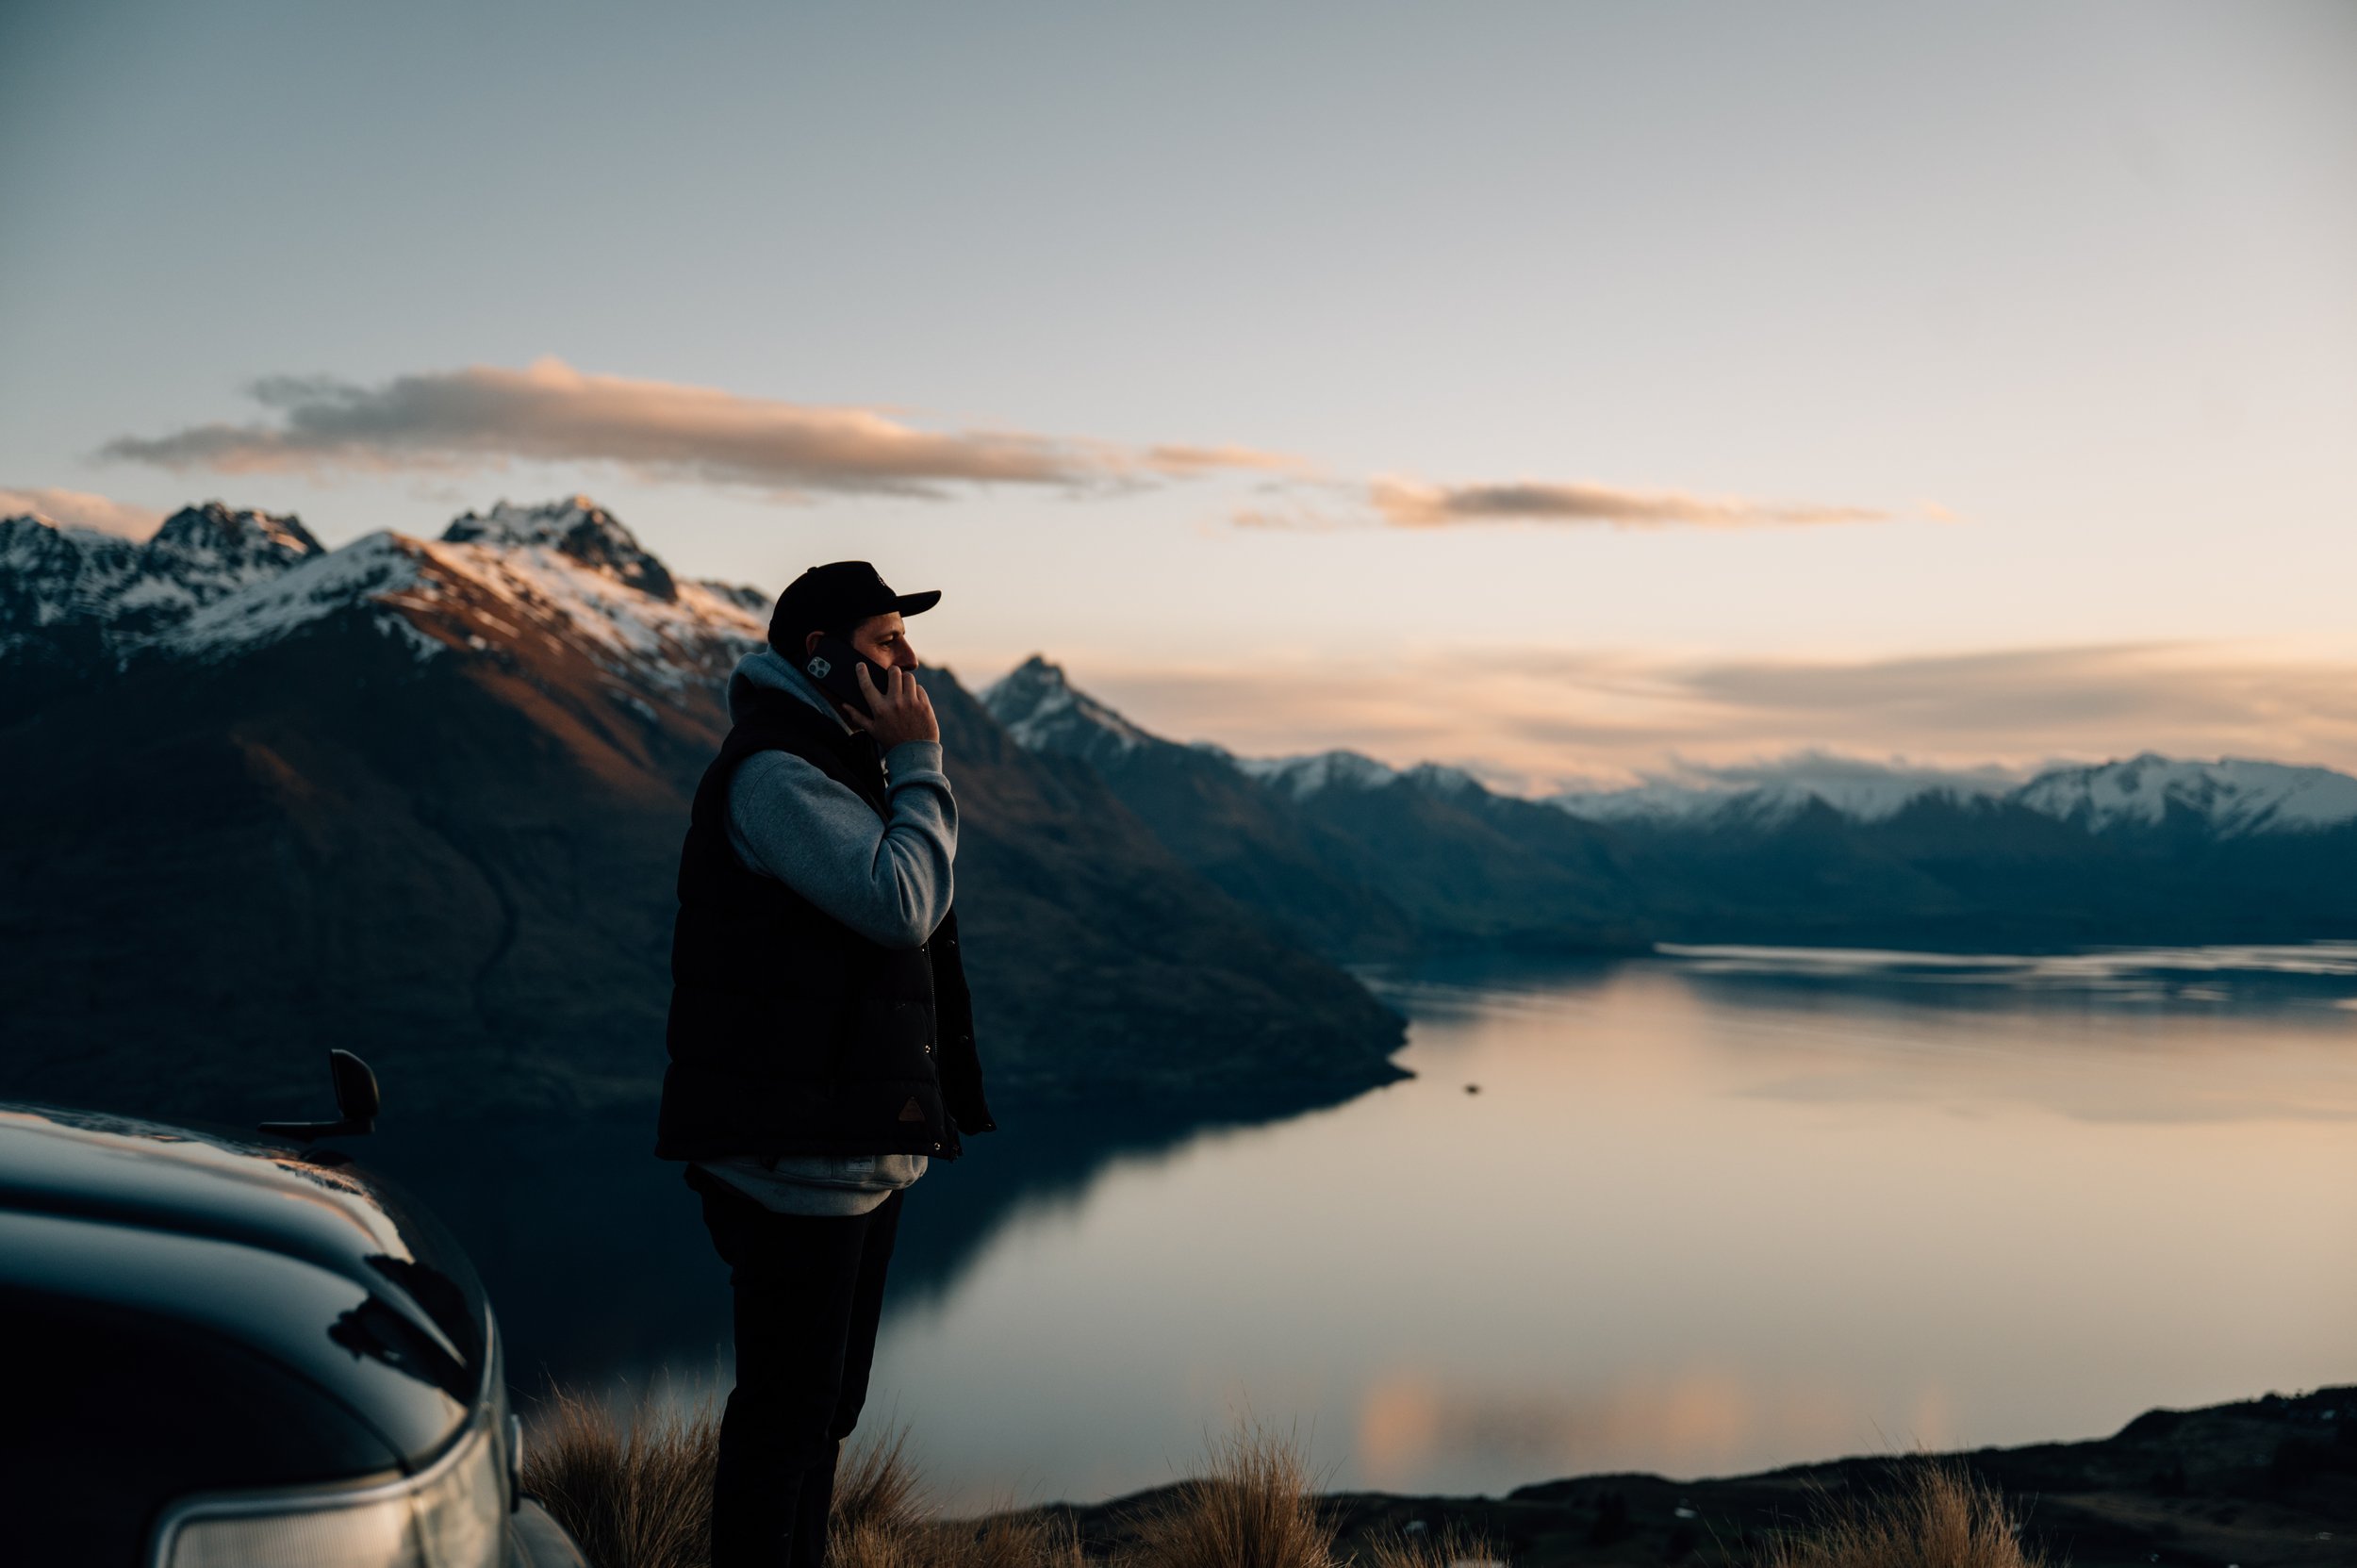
(300, 1254)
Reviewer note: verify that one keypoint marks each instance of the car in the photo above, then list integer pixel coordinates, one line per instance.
(243, 1350)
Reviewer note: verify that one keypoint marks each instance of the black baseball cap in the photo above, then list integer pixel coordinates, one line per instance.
(836, 596)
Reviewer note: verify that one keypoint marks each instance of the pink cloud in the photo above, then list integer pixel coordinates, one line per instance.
(1411, 504)
(550, 412)
(1538, 718)
(80, 509)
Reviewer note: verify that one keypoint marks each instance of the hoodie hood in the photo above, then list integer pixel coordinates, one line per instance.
(765, 670)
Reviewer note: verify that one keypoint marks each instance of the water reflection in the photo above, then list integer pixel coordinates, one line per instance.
(599, 1265)
(2247, 980)
(1412, 1420)
(382, 1333)
(1712, 1212)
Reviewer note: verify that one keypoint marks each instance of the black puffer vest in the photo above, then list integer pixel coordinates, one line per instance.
(790, 1032)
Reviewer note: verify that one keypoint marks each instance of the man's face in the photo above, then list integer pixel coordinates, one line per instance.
(881, 638)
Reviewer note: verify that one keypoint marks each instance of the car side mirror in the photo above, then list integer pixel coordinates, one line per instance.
(356, 1103)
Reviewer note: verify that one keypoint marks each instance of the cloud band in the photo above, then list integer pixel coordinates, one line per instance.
(1409, 503)
(79, 509)
(1541, 718)
(550, 412)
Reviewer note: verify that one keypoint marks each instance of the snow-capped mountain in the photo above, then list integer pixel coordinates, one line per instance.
(422, 798)
(2229, 797)
(1043, 712)
(568, 575)
(213, 551)
(2232, 796)
(124, 593)
(1305, 776)
(214, 584)
(576, 528)
(1367, 860)
(1767, 795)
(1342, 851)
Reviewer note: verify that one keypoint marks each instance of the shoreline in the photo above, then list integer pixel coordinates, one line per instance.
(2270, 1482)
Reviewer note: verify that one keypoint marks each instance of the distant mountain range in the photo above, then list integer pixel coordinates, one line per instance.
(2226, 798)
(1363, 860)
(424, 798)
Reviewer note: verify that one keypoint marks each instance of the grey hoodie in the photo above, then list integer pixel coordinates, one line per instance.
(888, 881)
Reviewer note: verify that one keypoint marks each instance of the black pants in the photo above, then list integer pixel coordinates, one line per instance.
(809, 1290)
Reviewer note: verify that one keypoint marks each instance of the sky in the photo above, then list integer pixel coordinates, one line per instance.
(1573, 392)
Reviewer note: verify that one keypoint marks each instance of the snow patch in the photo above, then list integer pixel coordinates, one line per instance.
(1302, 777)
(555, 592)
(576, 528)
(421, 645)
(371, 565)
(134, 592)
(2233, 796)
(1041, 711)
(1767, 793)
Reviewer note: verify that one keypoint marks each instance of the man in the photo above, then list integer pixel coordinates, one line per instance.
(821, 1035)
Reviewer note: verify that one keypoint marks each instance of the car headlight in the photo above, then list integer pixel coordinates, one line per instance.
(449, 1515)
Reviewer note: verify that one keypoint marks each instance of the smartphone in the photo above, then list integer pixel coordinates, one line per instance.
(831, 662)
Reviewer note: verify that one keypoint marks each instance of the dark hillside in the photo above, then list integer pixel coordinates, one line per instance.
(1103, 962)
(1477, 869)
(1369, 862)
(420, 830)
(1260, 848)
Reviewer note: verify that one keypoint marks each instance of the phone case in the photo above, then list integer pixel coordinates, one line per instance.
(832, 663)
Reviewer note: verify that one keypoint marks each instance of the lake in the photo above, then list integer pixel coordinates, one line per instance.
(1702, 1213)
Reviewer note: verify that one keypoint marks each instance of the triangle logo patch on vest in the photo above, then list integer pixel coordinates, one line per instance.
(912, 1111)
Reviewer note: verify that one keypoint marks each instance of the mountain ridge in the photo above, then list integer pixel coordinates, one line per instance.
(2146, 849)
(2244, 795)
(423, 798)
(109, 593)
(1352, 857)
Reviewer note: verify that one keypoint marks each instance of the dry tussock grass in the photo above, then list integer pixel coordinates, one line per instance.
(1939, 1515)
(1254, 1510)
(877, 1488)
(1453, 1547)
(1012, 1541)
(635, 1493)
(880, 1522)
(1001, 1540)
(1257, 1508)
(1448, 1548)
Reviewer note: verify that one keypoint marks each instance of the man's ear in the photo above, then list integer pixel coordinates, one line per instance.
(810, 643)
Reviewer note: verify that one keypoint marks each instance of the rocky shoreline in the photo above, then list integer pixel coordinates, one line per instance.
(2263, 1483)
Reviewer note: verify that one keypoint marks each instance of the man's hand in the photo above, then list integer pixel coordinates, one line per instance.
(896, 715)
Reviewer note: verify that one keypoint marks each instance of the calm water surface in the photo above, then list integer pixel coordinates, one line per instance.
(1706, 1213)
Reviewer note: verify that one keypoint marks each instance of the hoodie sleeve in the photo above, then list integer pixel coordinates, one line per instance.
(888, 881)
